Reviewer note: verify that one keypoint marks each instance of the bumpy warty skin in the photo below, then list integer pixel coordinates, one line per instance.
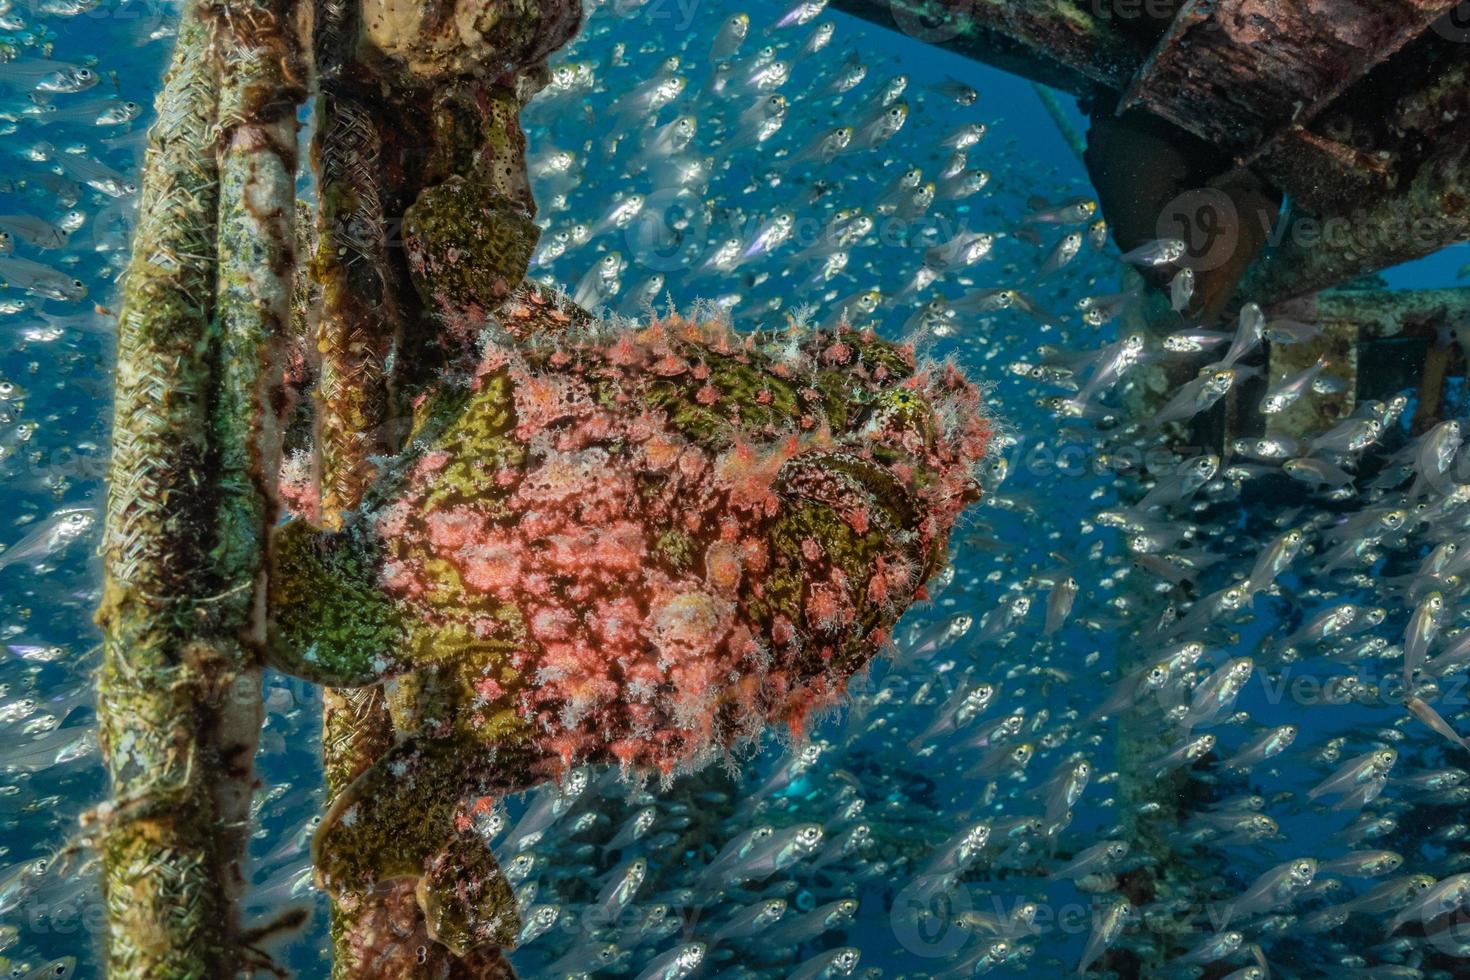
(639, 546)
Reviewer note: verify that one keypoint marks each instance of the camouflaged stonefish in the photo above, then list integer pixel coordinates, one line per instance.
(627, 545)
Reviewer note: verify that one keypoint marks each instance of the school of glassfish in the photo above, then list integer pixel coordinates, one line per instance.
(1177, 715)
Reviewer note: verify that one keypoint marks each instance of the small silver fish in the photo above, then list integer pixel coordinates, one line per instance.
(882, 127)
(676, 964)
(1072, 212)
(1165, 251)
(41, 280)
(33, 230)
(1249, 330)
(1275, 559)
(1316, 472)
(1107, 926)
(820, 37)
(1218, 692)
(1196, 396)
(97, 112)
(537, 921)
(636, 826)
(1059, 604)
(58, 969)
(1285, 393)
(618, 893)
(839, 962)
(43, 75)
(1419, 634)
(1181, 290)
(1272, 889)
(1061, 254)
(1355, 772)
(1092, 859)
(1362, 864)
(50, 536)
(824, 147)
(964, 137)
(802, 13)
(956, 91)
(751, 921)
(1266, 745)
(1349, 436)
(1185, 755)
(95, 174)
(601, 282)
(732, 35)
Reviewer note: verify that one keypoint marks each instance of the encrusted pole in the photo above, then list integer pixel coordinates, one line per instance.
(164, 869)
(189, 496)
(402, 108)
(356, 323)
(262, 81)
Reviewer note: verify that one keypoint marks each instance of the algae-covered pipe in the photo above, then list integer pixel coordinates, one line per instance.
(164, 864)
(261, 85)
(356, 321)
(178, 692)
(387, 132)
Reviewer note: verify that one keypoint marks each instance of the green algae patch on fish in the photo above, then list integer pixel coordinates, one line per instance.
(328, 610)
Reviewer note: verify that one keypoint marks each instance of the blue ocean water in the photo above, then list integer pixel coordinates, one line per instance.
(1040, 524)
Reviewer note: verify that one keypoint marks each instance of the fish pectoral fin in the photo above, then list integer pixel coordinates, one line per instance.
(405, 817)
(328, 621)
(466, 899)
(388, 822)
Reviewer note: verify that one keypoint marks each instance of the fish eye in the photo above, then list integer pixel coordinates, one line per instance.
(83, 74)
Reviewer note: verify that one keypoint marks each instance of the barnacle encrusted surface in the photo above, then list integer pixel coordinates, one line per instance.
(640, 545)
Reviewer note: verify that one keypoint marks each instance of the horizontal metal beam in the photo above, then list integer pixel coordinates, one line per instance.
(1381, 314)
(1432, 211)
(1055, 42)
(1255, 78)
(1242, 73)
